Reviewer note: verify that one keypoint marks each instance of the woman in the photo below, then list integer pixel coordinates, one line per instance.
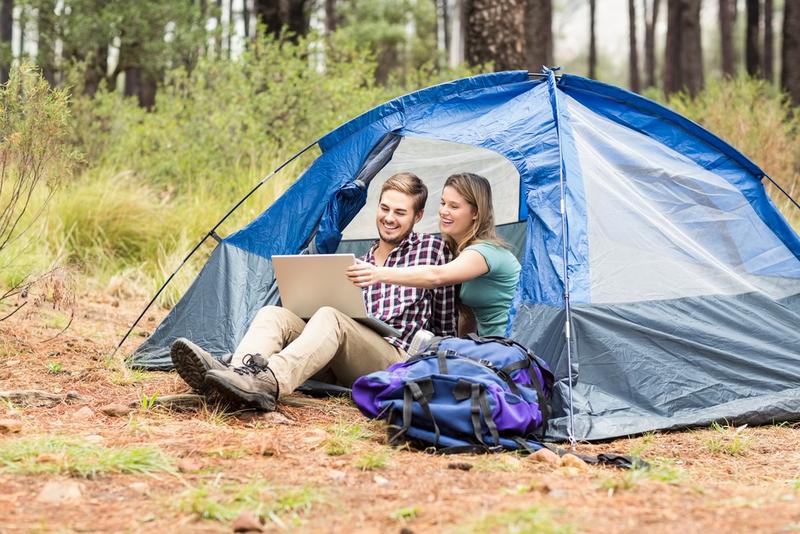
(487, 271)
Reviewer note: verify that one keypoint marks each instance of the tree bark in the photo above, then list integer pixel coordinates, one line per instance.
(633, 54)
(6, 28)
(769, 49)
(331, 22)
(46, 36)
(650, 19)
(495, 32)
(727, 18)
(538, 34)
(592, 39)
(683, 62)
(293, 14)
(752, 55)
(790, 54)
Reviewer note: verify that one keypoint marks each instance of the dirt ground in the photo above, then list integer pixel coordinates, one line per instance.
(319, 466)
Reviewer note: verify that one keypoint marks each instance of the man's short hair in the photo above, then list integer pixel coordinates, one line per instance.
(410, 184)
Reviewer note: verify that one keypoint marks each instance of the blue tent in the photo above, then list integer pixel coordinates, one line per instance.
(659, 280)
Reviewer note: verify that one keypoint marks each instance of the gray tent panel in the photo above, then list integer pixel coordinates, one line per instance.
(217, 308)
(671, 364)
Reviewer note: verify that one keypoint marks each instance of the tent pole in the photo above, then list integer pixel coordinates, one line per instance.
(210, 233)
(796, 205)
(551, 80)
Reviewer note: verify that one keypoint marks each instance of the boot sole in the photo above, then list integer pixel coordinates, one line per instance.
(235, 396)
(189, 367)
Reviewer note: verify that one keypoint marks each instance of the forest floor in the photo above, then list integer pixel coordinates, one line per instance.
(319, 466)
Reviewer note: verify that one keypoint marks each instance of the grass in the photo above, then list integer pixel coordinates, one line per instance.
(77, 458)
(407, 513)
(55, 368)
(372, 460)
(127, 377)
(226, 501)
(728, 440)
(530, 520)
(148, 402)
(344, 436)
(661, 470)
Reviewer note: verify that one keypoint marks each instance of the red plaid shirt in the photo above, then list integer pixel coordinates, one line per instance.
(410, 308)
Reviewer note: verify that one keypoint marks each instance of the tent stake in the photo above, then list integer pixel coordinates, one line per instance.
(210, 233)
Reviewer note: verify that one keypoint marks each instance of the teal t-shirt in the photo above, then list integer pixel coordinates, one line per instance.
(490, 294)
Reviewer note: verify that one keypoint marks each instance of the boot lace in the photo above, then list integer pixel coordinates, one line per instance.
(252, 364)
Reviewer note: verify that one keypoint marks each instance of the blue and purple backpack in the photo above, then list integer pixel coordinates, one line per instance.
(462, 394)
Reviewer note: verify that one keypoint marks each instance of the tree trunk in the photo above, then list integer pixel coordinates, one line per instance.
(683, 62)
(141, 84)
(495, 32)
(275, 14)
(650, 19)
(769, 57)
(96, 70)
(752, 56)
(727, 17)
(790, 54)
(6, 28)
(538, 34)
(46, 37)
(592, 39)
(246, 19)
(633, 54)
(331, 22)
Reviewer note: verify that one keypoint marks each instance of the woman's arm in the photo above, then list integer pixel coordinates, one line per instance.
(470, 264)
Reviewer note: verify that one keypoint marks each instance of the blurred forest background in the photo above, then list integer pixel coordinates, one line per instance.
(129, 128)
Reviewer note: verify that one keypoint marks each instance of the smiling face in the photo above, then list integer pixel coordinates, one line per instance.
(396, 216)
(456, 215)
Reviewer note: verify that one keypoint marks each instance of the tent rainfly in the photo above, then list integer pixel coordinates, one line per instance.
(659, 281)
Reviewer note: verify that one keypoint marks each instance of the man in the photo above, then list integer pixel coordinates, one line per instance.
(280, 351)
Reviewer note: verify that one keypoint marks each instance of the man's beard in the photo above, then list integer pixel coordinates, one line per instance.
(394, 240)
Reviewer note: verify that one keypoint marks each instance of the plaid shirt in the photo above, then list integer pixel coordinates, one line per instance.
(410, 308)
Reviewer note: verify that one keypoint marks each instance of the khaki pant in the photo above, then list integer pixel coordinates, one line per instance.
(330, 343)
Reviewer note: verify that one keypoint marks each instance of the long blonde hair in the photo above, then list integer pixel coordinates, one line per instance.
(477, 191)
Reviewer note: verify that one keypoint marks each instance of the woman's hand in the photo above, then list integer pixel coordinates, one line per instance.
(363, 274)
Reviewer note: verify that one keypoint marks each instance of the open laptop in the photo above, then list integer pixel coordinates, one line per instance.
(308, 282)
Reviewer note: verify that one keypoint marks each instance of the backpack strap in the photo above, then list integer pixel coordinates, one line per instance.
(421, 392)
(479, 404)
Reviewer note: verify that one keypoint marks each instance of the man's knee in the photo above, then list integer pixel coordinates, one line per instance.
(328, 314)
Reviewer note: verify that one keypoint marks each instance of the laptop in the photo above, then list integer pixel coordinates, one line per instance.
(308, 282)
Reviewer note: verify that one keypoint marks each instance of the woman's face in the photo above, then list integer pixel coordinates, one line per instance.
(456, 215)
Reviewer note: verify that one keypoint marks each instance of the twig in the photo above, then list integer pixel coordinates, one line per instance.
(15, 311)
(71, 316)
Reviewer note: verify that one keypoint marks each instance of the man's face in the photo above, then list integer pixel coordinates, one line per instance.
(396, 216)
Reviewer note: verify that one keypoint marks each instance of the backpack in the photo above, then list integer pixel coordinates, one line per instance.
(462, 394)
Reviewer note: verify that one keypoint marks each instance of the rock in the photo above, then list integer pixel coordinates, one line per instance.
(277, 418)
(269, 447)
(571, 460)
(34, 397)
(335, 474)
(189, 465)
(545, 456)
(10, 426)
(116, 410)
(139, 487)
(83, 414)
(247, 522)
(379, 480)
(463, 466)
(56, 492)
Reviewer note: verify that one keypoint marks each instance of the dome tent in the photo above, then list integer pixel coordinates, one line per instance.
(659, 281)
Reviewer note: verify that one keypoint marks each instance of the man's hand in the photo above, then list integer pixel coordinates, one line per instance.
(363, 274)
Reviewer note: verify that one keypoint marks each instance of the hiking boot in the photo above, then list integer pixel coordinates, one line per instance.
(192, 363)
(253, 385)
